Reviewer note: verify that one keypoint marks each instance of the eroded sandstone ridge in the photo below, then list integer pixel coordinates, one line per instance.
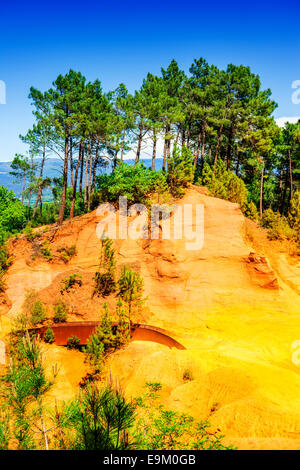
(233, 305)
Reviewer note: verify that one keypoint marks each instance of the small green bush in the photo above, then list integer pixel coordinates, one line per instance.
(49, 336)
(105, 282)
(46, 250)
(30, 234)
(38, 313)
(73, 342)
(294, 216)
(180, 173)
(71, 282)
(277, 225)
(131, 288)
(67, 253)
(223, 184)
(134, 182)
(250, 211)
(60, 313)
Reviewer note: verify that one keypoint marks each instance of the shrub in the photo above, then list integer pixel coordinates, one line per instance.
(5, 262)
(29, 233)
(2, 283)
(94, 350)
(73, 342)
(21, 324)
(12, 212)
(102, 418)
(250, 211)
(180, 173)
(107, 336)
(46, 250)
(122, 334)
(49, 336)
(160, 429)
(277, 225)
(60, 313)
(134, 182)
(187, 375)
(294, 216)
(71, 281)
(67, 253)
(38, 313)
(131, 286)
(105, 282)
(224, 183)
(5, 259)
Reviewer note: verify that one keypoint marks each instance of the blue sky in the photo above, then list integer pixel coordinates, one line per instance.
(122, 41)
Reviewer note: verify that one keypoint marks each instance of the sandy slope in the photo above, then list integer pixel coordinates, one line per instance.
(237, 316)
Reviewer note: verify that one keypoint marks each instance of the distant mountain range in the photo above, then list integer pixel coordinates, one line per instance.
(53, 169)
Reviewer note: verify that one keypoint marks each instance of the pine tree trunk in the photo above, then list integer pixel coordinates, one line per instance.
(80, 157)
(95, 167)
(123, 145)
(87, 159)
(138, 152)
(154, 150)
(261, 191)
(198, 151)
(39, 195)
(81, 169)
(286, 183)
(90, 176)
(71, 162)
(65, 184)
(164, 167)
(188, 136)
(291, 175)
(218, 146)
(229, 147)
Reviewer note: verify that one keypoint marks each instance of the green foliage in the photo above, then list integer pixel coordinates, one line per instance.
(105, 277)
(12, 213)
(137, 183)
(60, 312)
(67, 253)
(277, 225)
(223, 184)
(180, 172)
(29, 233)
(23, 388)
(107, 336)
(157, 428)
(95, 350)
(4, 431)
(73, 342)
(101, 418)
(71, 282)
(250, 211)
(49, 336)
(46, 250)
(294, 216)
(131, 287)
(122, 331)
(5, 262)
(38, 313)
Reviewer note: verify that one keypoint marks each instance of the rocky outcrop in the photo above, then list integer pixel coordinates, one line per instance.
(260, 272)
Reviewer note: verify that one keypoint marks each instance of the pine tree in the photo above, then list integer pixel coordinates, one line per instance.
(131, 290)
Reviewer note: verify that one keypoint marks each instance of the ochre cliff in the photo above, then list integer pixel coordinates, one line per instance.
(234, 304)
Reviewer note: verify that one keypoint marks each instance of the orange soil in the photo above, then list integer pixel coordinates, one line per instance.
(236, 314)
